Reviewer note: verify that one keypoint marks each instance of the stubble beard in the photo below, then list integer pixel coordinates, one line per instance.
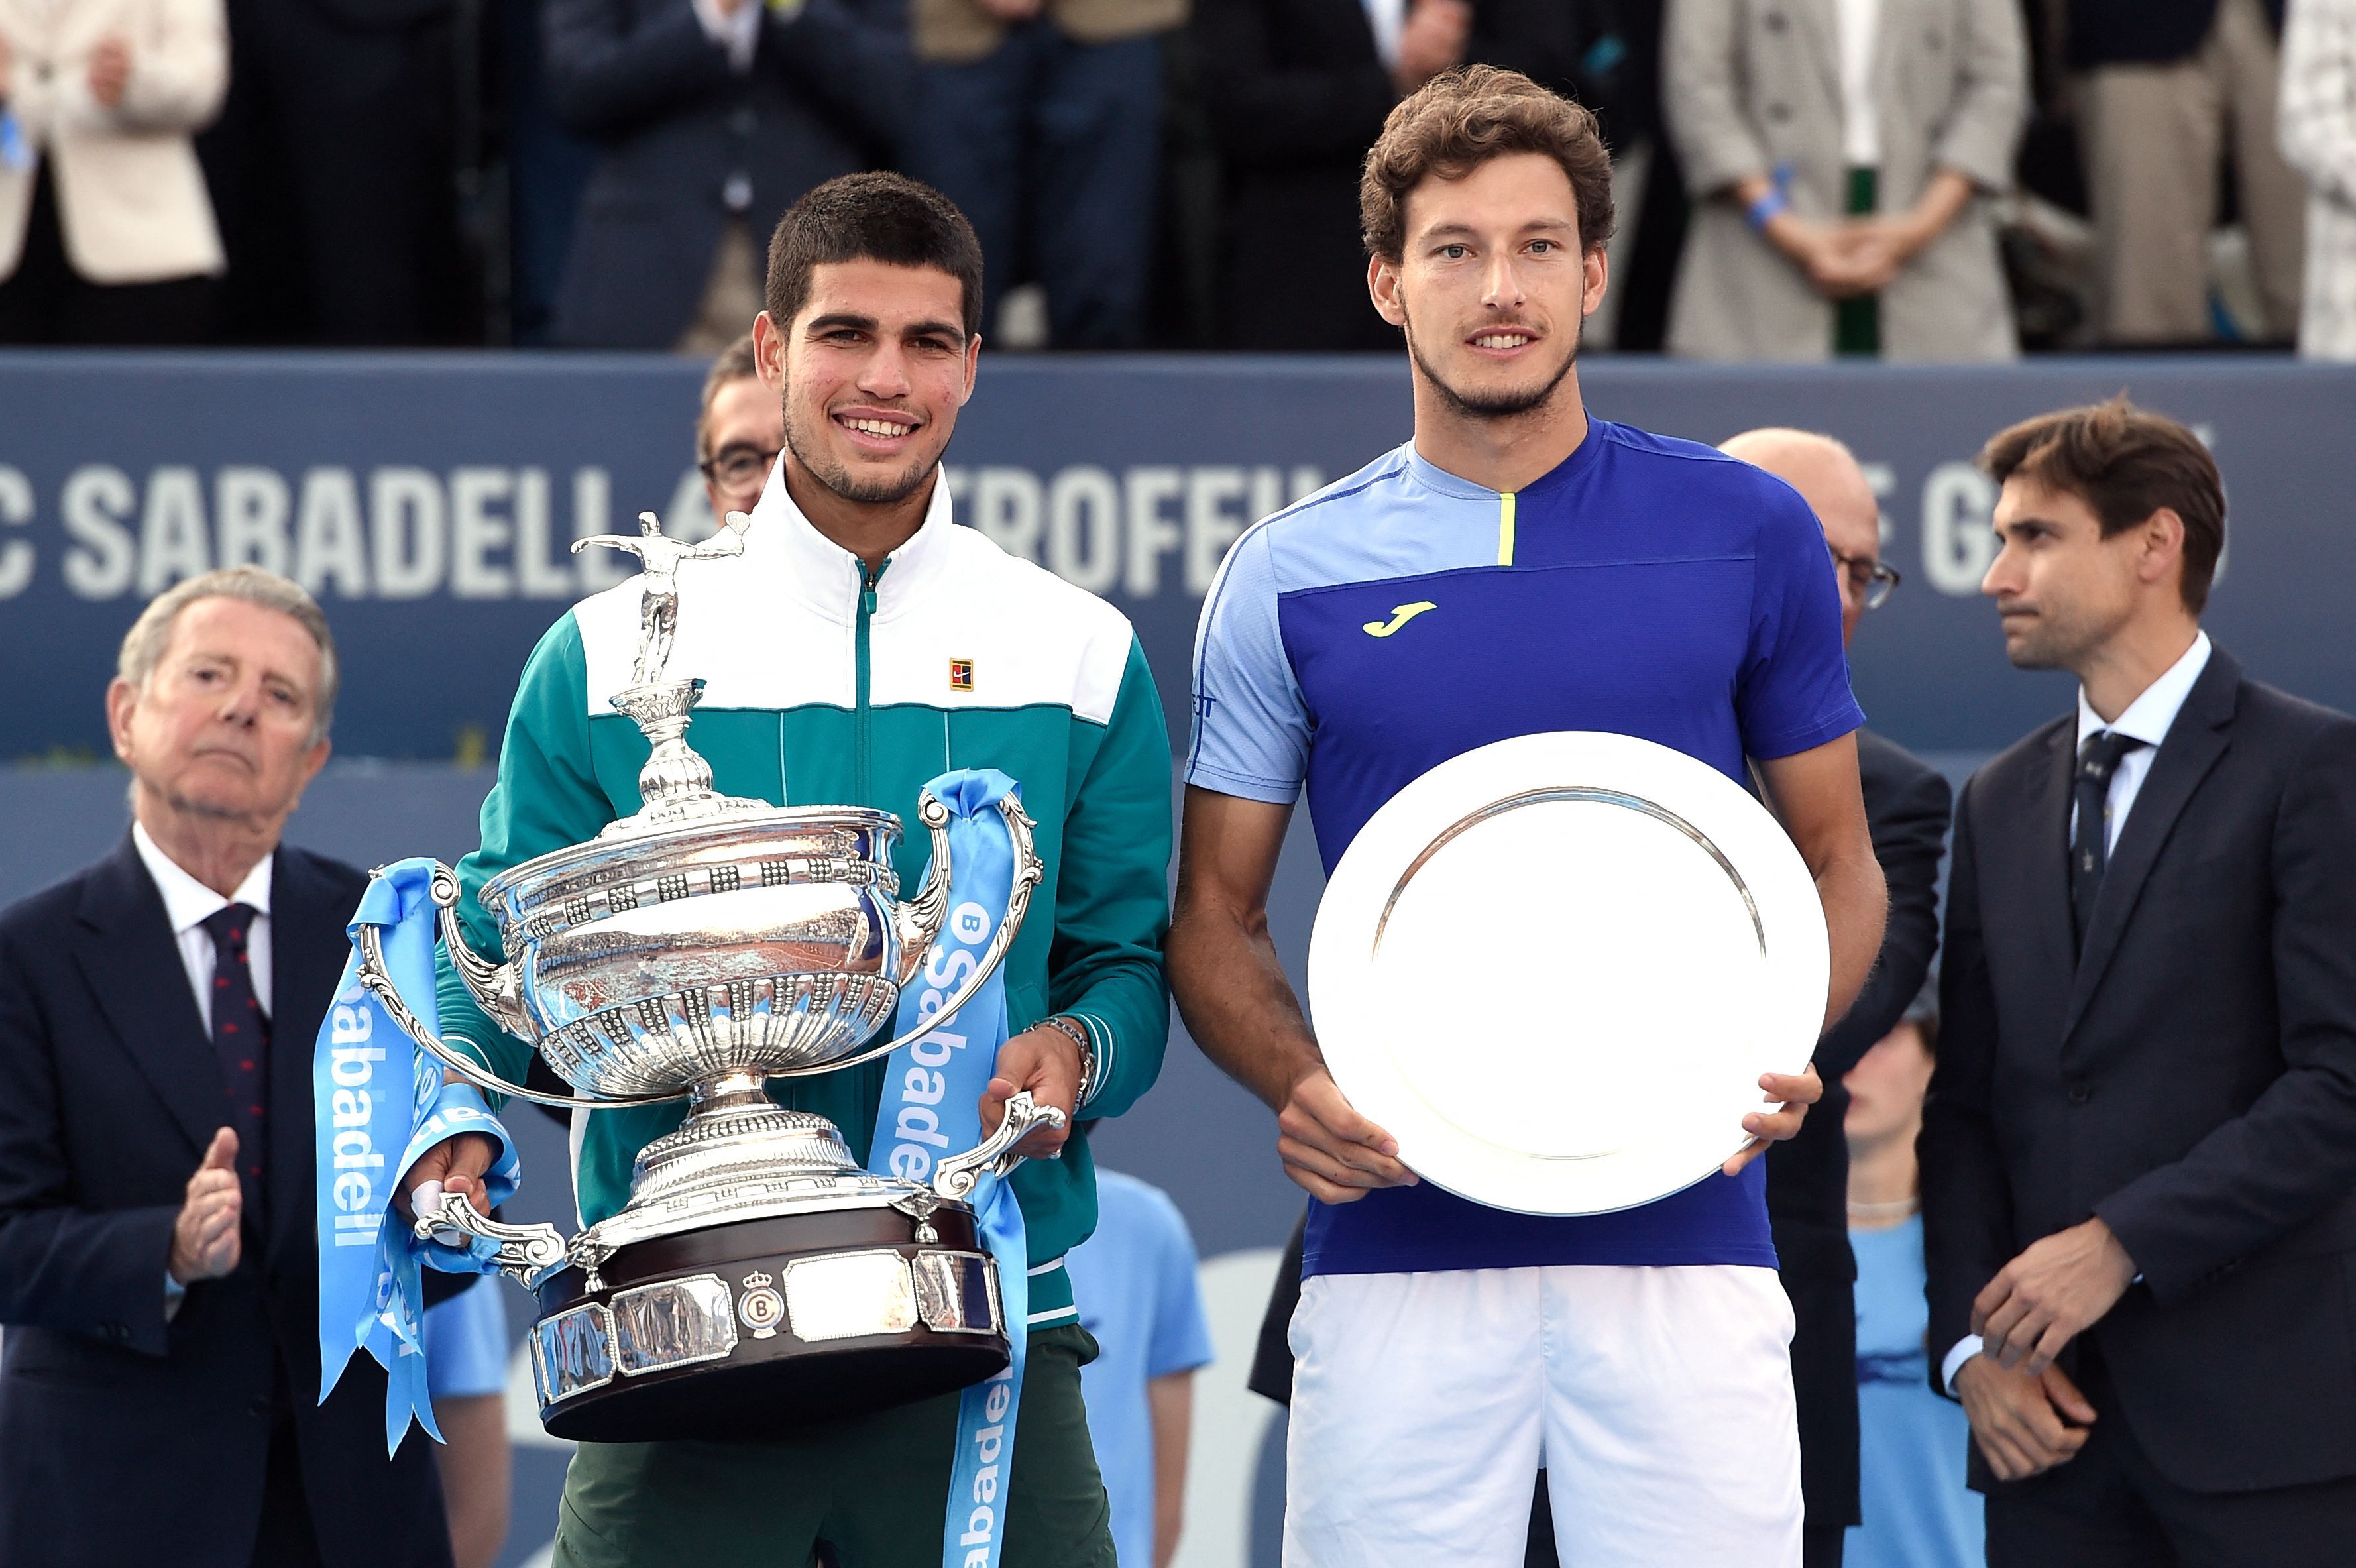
(1506, 404)
(2029, 651)
(2056, 641)
(820, 464)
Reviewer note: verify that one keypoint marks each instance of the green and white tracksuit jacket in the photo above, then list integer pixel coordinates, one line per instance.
(825, 686)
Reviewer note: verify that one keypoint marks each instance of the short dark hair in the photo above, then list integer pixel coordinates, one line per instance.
(1459, 121)
(735, 363)
(872, 217)
(2126, 463)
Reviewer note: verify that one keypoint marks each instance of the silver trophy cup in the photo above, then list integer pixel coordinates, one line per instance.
(758, 1277)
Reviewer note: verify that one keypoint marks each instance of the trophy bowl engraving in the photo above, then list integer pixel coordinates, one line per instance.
(772, 943)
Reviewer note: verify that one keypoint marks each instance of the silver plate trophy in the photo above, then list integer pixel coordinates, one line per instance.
(758, 1276)
(1643, 943)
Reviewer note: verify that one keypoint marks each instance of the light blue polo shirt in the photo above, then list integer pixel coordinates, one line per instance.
(1134, 1282)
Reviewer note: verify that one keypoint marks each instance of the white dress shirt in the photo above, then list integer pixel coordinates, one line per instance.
(1860, 32)
(189, 903)
(2146, 719)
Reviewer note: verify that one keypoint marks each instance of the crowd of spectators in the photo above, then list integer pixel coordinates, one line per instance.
(1919, 179)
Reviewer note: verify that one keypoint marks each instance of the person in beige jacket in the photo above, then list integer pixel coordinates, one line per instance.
(106, 233)
(1840, 155)
(2318, 138)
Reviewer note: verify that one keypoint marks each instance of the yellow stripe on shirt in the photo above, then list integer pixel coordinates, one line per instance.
(1505, 529)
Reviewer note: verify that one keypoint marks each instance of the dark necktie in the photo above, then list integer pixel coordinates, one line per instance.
(241, 1036)
(2098, 762)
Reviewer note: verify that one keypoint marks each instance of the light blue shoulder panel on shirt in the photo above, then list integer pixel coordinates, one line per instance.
(1398, 516)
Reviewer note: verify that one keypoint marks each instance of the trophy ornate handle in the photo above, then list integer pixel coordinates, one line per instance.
(492, 986)
(528, 1253)
(933, 899)
(958, 1175)
(920, 918)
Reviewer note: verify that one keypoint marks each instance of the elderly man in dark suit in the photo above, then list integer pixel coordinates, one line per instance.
(2139, 1154)
(1907, 803)
(710, 118)
(158, 1271)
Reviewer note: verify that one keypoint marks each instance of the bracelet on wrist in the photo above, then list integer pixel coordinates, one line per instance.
(1077, 1033)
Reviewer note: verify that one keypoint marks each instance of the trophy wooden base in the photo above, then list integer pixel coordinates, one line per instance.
(755, 1329)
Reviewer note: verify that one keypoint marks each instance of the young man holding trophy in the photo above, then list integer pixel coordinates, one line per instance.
(852, 644)
(1518, 569)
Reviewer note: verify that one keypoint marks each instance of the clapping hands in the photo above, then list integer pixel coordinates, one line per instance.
(206, 1241)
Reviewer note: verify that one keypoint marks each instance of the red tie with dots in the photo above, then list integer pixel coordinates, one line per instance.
(242, 1036)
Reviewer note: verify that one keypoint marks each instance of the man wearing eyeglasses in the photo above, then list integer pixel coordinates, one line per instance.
(739, 432)
(1907, 807)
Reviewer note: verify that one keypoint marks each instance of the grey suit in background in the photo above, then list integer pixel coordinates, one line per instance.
(684, 143)
(1750, 84)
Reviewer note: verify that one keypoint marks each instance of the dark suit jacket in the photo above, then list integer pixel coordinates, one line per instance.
(1296, 94)
(641, 80)
(2144, 32)
(2192, 1080)
(126, 1438)
(1907, 804)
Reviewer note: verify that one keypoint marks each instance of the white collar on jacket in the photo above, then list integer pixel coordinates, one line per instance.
(823, 577)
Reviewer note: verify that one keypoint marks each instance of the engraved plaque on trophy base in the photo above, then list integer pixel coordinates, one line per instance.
(755, 1329)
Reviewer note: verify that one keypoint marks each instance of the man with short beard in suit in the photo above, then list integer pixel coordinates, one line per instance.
(2139, 1154)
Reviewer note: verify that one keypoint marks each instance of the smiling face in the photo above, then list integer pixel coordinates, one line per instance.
(872, 373)
(223, 725)
(2061, 589)
(1491, 284)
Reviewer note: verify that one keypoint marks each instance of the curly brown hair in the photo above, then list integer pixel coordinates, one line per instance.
(1459, 121)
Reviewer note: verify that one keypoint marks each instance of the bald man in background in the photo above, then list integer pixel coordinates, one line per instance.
(1907, 803)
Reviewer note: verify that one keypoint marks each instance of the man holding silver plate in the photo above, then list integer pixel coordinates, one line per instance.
(754, 1331)
(1523, 667)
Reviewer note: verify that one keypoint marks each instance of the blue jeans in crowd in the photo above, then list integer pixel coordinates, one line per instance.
(1052, 150)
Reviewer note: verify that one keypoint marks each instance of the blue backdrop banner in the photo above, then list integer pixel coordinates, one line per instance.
(429, 501)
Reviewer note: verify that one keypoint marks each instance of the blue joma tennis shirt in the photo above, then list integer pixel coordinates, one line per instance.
(1403, 616)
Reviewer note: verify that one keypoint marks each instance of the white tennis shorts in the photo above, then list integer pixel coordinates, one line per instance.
(1657, 1399)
